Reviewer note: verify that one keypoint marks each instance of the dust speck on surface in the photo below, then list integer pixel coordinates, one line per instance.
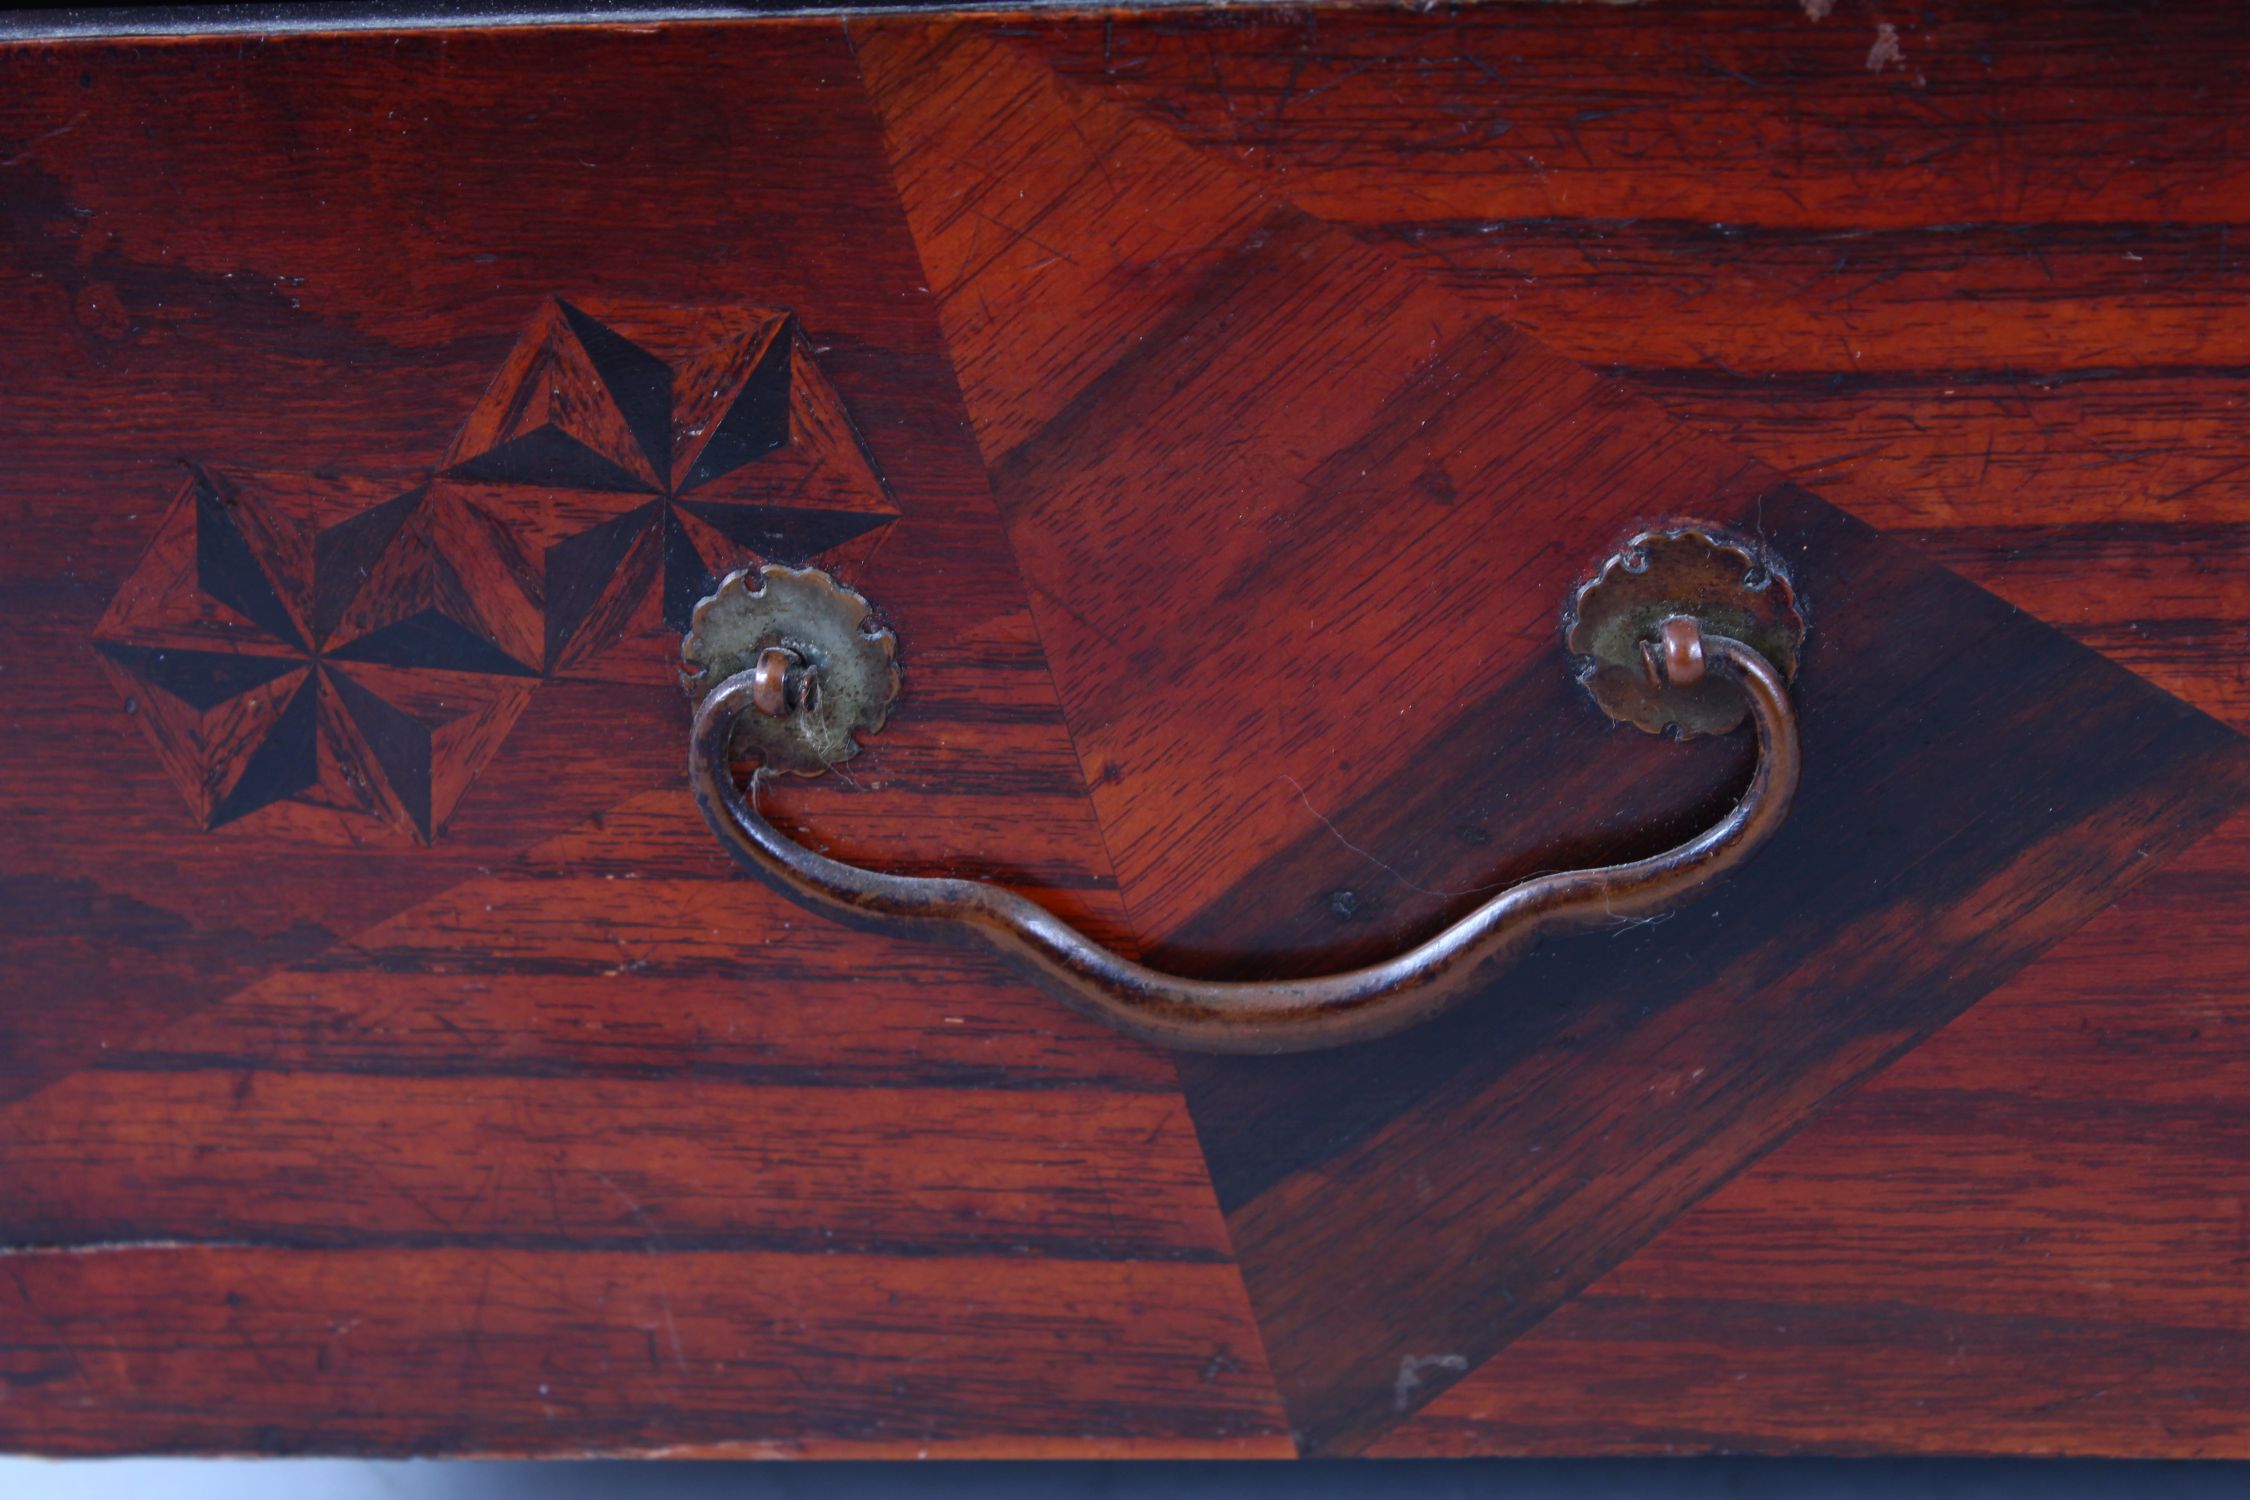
(1886, 50)
(1410, 1374)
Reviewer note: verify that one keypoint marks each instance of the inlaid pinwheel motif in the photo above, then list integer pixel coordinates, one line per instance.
(339, 657)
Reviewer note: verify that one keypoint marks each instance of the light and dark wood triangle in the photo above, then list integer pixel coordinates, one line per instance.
(1326, 461)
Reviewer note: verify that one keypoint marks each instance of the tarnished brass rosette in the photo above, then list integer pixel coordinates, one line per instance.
(1727, 586)
(828, 669)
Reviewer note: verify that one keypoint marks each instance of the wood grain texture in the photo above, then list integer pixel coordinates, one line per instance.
(1219, 406)
(144, 270)
(1988, 290)
(1311, 461)
(1406, 1209)
(2007, 1243)
(686, 1354)
(511, 1144)
(545, 1095)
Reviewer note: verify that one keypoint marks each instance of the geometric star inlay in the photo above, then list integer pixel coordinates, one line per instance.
(337, 657)
(685, 441)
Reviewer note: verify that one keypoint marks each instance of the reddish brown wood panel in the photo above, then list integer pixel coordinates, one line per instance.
(654, 1350)
(451, 1091)
(2008, 1243)
(1237, 451)
(1219, 406)
(1354, 466)
(145, 268)
(506, 1174)
(1986, 290)
(1987, 298)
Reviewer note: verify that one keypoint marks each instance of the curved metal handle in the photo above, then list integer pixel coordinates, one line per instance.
(1278, 1015)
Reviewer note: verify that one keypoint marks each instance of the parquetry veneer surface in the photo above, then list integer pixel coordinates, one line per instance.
(1219, 408)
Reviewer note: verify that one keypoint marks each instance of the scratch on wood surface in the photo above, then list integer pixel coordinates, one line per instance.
(32, 146)
(1375, 859)
(654, 1246)
(117, 1247)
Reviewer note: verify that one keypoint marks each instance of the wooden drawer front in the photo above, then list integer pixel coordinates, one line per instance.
(1219, 407)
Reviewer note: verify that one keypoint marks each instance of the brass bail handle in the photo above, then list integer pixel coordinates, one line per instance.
(1687, 631)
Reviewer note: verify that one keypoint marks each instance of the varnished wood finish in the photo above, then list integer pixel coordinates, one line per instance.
(1989, 296)
(2007, 1242)
(1202, 360)
(1372, 1221)
(297, 1076)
